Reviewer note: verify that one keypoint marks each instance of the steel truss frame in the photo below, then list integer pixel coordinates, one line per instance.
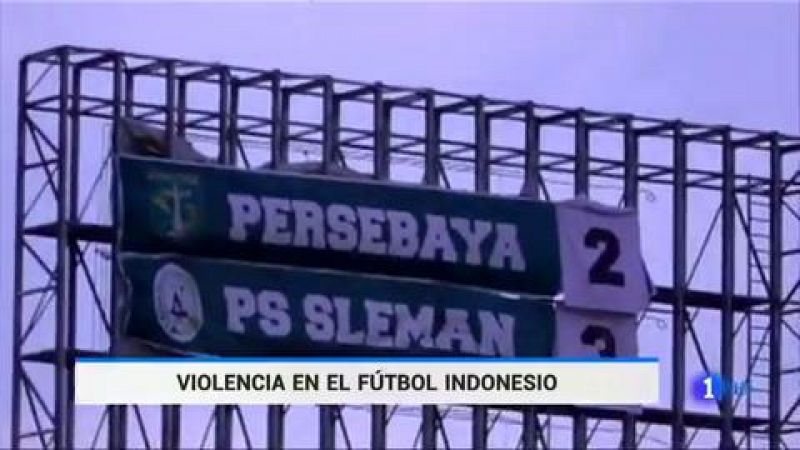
(54, 283)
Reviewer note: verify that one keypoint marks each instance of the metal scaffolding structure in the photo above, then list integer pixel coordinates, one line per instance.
(256, 118)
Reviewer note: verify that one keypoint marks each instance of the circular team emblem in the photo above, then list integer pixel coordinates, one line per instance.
(177, 303)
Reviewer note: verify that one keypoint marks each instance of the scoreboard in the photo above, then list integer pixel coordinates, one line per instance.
(264, 242)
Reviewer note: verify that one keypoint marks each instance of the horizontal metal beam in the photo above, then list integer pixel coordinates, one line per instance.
(658, 124)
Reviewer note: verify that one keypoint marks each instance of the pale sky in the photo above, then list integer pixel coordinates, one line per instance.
(733, 63)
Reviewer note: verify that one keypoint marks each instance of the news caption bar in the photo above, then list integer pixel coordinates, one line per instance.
(183, 381)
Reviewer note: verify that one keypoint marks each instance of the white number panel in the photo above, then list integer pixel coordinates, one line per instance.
(588, 334)
(582, 333)
(601, 262)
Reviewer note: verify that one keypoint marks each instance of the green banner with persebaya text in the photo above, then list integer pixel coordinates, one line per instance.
(504, 243)
(231, 308)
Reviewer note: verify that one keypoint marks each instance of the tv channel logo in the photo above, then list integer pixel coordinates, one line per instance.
(707, 387)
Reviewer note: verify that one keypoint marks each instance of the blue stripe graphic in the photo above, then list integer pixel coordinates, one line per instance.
(311, 360)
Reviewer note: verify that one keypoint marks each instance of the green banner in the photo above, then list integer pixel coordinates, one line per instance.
(505, 243)
(231, 308)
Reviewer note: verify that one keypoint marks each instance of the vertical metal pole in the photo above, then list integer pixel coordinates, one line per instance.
(479, 427)
(628, 431)
(631, 200)
(728, 283)
(581, 154)
(679, 287)
(233, 122)
(283, 125)
(581, 188)
(530, 186)
(73, 245)
(749, 312)
(750, 248)
(530, 427)
(227, 152)
(431, 175)
(169, 104)
(482, 136)
(381, 117)
(178, 125)
(775, 291)
(381, 114)
(578, 431)
(224, 413)
(223, 426)
(117, 414)
(74, 142)
(631, 157)
(170, 427)
(130, 86)
(749, 406)
(61, 433)
(330, 124)
(17, 370)
(171, 414)
(378, 427)
(278, 122)
(429, 413)
(327, 427)
(115, 124)
(275, 415)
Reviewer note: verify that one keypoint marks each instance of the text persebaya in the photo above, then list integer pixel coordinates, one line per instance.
(496, 242)
(374, 231)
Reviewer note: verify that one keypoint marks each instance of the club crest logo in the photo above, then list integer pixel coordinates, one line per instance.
(176, 199)
(177, 302)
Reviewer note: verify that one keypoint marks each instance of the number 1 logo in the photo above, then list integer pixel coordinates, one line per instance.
(709, 384)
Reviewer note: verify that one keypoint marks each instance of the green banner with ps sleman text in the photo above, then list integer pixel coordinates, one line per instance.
(232, 308)
(505, 243)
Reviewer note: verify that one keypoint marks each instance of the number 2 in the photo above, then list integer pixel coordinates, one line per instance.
(601, 271)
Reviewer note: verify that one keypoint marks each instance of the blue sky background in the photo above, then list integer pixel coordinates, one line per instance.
(714, 62)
